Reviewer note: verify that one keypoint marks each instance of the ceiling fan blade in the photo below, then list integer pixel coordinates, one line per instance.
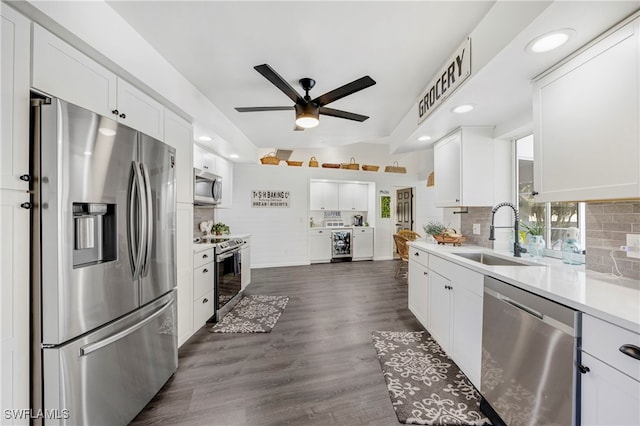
(266, 108)
(341, 92)
(275, 79)
(342, 114)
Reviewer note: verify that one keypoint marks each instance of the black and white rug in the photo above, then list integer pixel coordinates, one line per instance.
(252, 314)
(425, 386)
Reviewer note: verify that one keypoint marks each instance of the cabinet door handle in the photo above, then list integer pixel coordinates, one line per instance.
(205, 270)
(425, 273)
(205, 300)
(457, 200)
(123, 115)
(115, 112)
(630, 350)
(205, 166)
(534, 193)
(204, 256)
(416, 254)
(583, 369)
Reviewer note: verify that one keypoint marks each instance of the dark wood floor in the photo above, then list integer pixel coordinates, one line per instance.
(317, 367)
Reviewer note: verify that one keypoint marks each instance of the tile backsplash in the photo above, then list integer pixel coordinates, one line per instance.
(607, 227)
(201, 214)
(481, 216)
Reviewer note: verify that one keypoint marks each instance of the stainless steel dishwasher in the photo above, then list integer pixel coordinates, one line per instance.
(529, 357)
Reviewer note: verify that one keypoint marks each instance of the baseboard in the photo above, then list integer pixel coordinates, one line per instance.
(383, 258)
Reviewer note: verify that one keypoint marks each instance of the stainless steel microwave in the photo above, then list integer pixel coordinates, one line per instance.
(207, 188)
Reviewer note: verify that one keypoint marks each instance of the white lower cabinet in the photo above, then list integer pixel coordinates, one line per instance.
(203, 283)
(455, 313)
(611, 379)
(419, 292)
(362, 243)
(320, 245)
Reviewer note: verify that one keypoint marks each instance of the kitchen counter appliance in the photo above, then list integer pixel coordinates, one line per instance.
(207, 188)
(228, 274)
(104, 333)
(529, 358)
(341, 245)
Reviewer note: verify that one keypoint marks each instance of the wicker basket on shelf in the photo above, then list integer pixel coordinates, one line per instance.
(294, 163)
(351, 165)
(431, 179)
(313, 162)
(395, 168)
(370, 168)
(270, 158)
(330, 166)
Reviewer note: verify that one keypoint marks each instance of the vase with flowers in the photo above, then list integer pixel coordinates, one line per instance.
(536, 240)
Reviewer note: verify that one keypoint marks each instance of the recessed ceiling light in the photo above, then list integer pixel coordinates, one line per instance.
(424, 138)
(461, 109)
(204, 138)
(234, 156)
(549, 41)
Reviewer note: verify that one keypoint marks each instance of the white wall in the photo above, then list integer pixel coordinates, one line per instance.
(280, 235)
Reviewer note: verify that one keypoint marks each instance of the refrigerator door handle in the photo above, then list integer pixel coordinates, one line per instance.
(92, 347)
(149, 219)
(137, 214)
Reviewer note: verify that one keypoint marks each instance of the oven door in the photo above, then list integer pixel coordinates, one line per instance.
(228, 278)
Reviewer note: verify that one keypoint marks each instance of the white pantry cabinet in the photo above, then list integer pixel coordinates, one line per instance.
(418, 282)
(323, 196)
(353, 196)
(61, 70)
(178, 133)
(455, 313)
(362, 243)
(463, 167)
(14, 125)
(320, 245)
(611, 379)
(14, 302)
(587, 122)
(184, 273)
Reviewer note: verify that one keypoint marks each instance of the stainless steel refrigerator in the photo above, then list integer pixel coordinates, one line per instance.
(104, 318)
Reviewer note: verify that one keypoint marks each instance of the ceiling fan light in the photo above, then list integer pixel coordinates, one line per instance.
(307, 121)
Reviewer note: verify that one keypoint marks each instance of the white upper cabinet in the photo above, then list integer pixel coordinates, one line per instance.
(323, 196)
(587, 122)
(225, 171)
(14, 124)
(464, 168)
(140, 111)
(353, 196)
(204, 160)
(178, 133)
(61, 70)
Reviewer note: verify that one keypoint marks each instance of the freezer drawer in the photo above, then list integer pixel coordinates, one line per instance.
(108, 376)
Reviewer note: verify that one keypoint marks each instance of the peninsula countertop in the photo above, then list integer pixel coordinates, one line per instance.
(610, 298)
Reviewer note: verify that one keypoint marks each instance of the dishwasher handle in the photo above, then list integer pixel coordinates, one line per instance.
(522, 307)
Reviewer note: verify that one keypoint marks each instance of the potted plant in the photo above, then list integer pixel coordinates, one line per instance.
(434, 228)
(220, 228)
(536, 240)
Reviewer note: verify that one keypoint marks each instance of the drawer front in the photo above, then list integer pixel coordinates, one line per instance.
(323, 231)
(358, 231)
(604, 340)
(417, 255)
(202, 310)
(202, 257)
(203, 280)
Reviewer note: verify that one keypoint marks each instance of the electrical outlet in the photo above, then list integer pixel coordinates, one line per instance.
(476, 229)
(633, 245)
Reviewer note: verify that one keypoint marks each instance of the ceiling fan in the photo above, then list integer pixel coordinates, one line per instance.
(307, 109)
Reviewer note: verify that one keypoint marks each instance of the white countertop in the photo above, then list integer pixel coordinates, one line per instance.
(198, 247)
(612, 299)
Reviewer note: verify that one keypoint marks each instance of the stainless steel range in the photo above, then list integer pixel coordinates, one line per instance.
(228, 276)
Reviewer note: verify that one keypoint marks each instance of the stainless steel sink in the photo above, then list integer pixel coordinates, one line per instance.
(491, 259)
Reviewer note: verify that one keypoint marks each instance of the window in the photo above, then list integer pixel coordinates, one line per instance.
(553, 218)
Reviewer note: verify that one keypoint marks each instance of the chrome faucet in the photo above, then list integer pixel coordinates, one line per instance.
(517, 249)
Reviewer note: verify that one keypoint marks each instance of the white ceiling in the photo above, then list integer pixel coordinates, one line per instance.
(401, 45)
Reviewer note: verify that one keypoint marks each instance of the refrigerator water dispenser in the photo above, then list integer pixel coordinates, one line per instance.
(94, 233)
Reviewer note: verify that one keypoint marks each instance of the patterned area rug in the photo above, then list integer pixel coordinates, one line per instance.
(425, 386)
(253, 314)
